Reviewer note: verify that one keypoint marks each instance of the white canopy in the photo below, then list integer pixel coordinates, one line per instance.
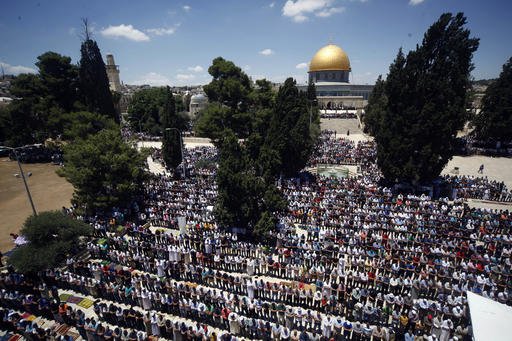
(491, 320)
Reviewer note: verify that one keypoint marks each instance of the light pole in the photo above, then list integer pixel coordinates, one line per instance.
(181, 150)
(23, 177)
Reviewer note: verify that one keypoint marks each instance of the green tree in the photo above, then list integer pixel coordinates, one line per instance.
(213, 121)
(262, 96)
(104, 170)
(265, 226)
(244, 199)
(27, 114)
(262, 103)
(181, 103)
(51, 236)
(231, 209)
(229, 86)
(80, 125)
(229, 94)
(273, 128)
(290, 133)
(144, 110)
(311, 92)
(94, 85)
(376, 104)
(147, 108)
(60, 80)
(171, 142)
(416, 119)
(495, 120)
(42, 99)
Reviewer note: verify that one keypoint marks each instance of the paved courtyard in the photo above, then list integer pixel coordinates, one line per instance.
(341, 125)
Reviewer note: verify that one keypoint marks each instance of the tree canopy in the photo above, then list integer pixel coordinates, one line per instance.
(147, 108)
(45, 103)
(60, 80)
(277, 140)
(51, 237)
(495, 120)
(171, 142)
(229, 96)
(415, 114)
(94, 85)
(245, 200)
(290, 133)
(80, 125)
(41, 100)
(104, 170)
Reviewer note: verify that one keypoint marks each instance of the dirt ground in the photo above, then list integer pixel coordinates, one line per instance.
(49, 192)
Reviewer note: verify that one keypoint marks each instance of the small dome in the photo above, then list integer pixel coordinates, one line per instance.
(330, 58)
(198, 98)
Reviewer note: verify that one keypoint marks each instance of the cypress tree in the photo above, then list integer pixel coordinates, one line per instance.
(376, 103)
(171, 143)
(423, 102)
(94, 84)
(290, 132)
(495, 120)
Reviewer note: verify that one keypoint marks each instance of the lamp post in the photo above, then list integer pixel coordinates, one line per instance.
(23, 177)
(181, 150)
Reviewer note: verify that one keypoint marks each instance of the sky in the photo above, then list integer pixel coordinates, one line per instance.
(167, 42)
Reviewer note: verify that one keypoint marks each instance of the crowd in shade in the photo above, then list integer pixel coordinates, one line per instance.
(338, 114)
(479, 188)
(349, 260)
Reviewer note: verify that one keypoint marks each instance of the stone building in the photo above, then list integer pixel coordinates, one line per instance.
(113, 74)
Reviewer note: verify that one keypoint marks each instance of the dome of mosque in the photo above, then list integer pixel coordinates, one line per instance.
(198, 98)
(330, 57)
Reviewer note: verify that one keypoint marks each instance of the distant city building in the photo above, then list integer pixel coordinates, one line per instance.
(330, 71)
(197, 103)
(113, 74)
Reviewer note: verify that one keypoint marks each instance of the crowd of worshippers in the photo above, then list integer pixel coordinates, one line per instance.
(399, 236)
(349, 261)
(337, 114)
(479, 188)
(332, 150)
(383, 273)
(313, 283)
(200, 161)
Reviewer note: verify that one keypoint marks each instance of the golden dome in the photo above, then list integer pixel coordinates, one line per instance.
(330, 57)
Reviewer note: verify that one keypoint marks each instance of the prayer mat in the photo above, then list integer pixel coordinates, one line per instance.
(64, 297)
(102, 241)
(75, 299)
(15, 337)
(73, 335)
(86, 303)
(63, 329)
